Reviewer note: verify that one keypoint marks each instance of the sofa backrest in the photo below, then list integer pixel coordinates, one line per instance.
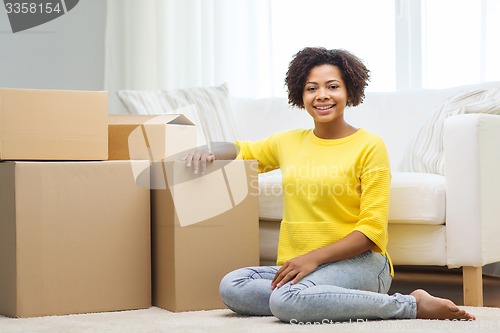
(396, 116)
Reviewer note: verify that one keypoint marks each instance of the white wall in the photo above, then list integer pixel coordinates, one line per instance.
(66, 53)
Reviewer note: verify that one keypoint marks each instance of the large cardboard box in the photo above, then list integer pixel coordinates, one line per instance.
(74, 238)
(53, 125)
(203, 226)
(154, 138)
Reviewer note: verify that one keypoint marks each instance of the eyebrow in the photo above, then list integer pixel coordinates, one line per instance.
(329, 81)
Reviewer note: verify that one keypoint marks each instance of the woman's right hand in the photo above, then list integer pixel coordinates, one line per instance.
(198, 160)
(199, 157)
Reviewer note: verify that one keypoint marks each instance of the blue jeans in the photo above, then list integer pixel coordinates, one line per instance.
(351, 289)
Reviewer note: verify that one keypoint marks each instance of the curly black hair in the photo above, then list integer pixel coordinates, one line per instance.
(354, 73)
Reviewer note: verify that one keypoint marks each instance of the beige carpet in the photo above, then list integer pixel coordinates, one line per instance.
(156, 320)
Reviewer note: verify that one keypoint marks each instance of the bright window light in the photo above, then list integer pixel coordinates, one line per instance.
(363, 27)
(456, 42)
(451, 43)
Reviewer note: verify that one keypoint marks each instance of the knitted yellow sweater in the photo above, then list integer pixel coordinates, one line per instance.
(330, 187)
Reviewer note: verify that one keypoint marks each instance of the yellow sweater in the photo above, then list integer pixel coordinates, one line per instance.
(330, 187)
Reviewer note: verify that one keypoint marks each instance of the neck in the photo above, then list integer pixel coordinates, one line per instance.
(333, 131)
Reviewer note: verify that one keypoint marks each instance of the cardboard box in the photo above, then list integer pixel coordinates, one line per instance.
(53, 125)
(74, 238)
(203, 227)
(154, 138)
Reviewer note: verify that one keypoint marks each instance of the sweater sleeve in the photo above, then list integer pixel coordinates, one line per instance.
(265, 151)
(374, 198)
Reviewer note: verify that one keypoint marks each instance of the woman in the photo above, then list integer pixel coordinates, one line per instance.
(332, 261)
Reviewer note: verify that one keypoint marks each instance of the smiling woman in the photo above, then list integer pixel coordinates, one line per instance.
(325, 98)
(332, 261)
(297, 78)
(324, 82)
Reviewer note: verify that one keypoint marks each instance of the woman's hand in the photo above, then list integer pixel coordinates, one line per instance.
(198, 160)
(199, 157)
(294, 269)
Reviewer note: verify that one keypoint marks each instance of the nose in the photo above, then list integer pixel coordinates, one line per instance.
(322, 94)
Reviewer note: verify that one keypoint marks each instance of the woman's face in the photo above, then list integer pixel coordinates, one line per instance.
(325, 94)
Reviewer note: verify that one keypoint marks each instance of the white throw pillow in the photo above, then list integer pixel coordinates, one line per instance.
(489, 107)
(426, 152)
(213, 116)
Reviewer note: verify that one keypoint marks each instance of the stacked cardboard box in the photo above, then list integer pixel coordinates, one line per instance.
(53, 125)
(74, 228)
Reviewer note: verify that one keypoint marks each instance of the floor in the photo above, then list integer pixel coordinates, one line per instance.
(442, 282)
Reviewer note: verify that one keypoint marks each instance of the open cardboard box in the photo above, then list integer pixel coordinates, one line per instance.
(53, 124)
(203, 227)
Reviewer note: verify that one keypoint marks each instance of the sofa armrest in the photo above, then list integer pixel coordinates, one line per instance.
(472, 158)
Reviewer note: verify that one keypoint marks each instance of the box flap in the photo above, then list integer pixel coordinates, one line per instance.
(174, 119)
(114, 119)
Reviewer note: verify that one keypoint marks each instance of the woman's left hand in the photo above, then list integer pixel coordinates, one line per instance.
(294, 269)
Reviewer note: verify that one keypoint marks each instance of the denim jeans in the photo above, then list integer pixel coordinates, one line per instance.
(351, 289)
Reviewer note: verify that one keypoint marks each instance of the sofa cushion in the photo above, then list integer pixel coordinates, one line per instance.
(417, 244)
(487, 107)
(270, 196)
(428, 241)
(213, 112)
(416, 198)
(426, 152)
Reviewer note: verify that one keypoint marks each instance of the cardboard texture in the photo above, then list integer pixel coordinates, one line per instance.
(203, 227)
(154, 138)
(74, 238)
(53, 124)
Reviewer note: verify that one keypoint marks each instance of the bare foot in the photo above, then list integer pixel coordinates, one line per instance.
(430, 307)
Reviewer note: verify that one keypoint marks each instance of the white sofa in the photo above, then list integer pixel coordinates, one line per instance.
(446, 220)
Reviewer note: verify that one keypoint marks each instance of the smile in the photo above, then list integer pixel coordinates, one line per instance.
(324, 109)
(327, 107)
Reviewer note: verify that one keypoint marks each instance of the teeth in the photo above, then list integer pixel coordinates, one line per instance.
(323, 107)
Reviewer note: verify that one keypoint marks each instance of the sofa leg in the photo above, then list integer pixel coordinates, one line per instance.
(473, 286)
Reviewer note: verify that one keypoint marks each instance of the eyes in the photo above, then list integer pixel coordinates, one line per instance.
(311, 88)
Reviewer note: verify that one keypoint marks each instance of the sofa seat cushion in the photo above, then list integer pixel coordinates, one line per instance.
(417, 244)
(270, 196)
(405, 240)
(416, 198)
